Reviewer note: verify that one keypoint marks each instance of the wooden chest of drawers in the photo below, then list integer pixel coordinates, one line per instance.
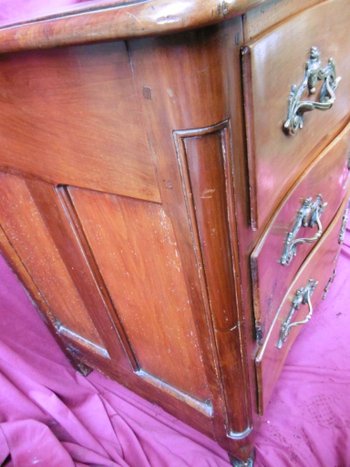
(174, 184)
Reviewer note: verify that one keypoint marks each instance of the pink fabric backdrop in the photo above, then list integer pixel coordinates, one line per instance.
(52, 416)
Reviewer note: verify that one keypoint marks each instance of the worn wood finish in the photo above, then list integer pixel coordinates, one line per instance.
(319, 266)
(37, 227)
(16, 12)
(206, 167)
(126, 183)
(138, 19)
(135, 249)
(275, 62)
(328, 176)
(270, 13)
(76, 112)
(172, 103)
(27, 231)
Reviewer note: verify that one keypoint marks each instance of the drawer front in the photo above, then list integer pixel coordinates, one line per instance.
(305, 293)
(271, 65)
(286, 242)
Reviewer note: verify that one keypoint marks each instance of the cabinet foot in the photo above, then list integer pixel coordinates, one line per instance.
(82, 368)
(73, 354)
(238, 463)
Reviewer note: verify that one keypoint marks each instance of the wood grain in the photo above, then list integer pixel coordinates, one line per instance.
(275, 62)
(319, 266)
(138, 19)
(174, 105)
(126, 183)
(39, 230)
(26, 229)
(135, 249)
(328, 176)
(270, 13)
(72, 117)
(205, 162)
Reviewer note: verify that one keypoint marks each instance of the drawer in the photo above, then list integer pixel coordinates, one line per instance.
(305, 293)
(271, 65)
(275, 261)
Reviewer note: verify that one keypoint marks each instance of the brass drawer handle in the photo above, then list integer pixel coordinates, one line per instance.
(307, 216)
(302, 297)
(344, 223)
(313, 73)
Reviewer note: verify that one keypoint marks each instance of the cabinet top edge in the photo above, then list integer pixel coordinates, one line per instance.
(101, 20)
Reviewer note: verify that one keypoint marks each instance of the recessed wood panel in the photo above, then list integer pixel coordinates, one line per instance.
(271, 65)
(42, 234)
(71, 116)
(135, 249)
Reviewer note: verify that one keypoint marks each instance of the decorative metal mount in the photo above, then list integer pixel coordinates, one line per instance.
(328, 285)
(302, 297)
(238, 463)
(342, 231)
(313, 73)
(307, 216)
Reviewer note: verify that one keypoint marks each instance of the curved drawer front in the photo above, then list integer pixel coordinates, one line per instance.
(272, 64)
(297, 307)
(286, 242)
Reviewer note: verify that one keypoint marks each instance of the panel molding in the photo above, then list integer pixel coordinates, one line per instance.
(205, 407)
(64, 331)
(68, 205)
(136, 253)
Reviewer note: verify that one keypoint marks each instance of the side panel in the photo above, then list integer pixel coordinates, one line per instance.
(135, 249)
(99, 144)
(192, 81)
(71, 116)
(36, 224)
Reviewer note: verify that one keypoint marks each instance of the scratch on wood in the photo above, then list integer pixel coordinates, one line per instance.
(207, 194)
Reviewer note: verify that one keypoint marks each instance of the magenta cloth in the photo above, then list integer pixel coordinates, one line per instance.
(51, 416)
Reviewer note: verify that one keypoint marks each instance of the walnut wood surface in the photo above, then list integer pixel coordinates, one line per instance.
(126, 184)
(27, 231)
(275, 62)
(152, 17)
(73, 110)
(319, 266)
(135, 249)
(328, 176)
(128, 176)
(37, 227)
(206, 173)
(270, 13)
(19, 11)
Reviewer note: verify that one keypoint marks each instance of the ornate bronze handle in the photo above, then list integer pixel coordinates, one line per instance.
(313, 73)
(307, 216)
(302, 297)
